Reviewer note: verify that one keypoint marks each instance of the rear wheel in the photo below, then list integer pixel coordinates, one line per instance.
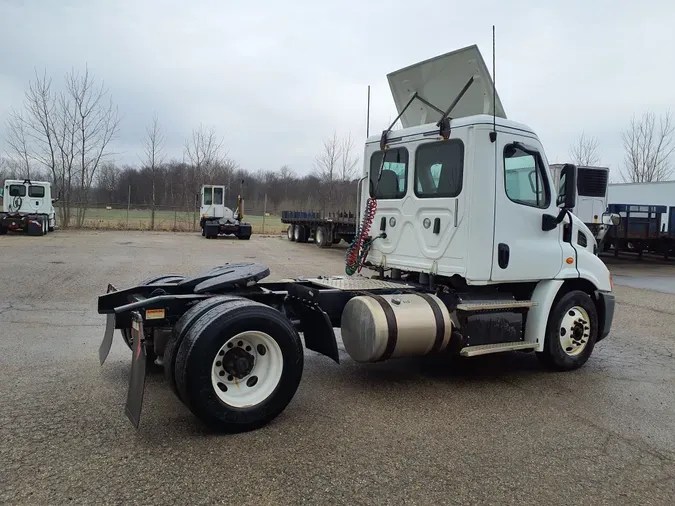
(571, 332)
(290, 233)
(321, 238)
(179, 330)
(239, 366)
(300, 233)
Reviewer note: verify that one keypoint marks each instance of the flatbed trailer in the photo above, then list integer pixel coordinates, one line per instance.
(640, 230)
(325, 229)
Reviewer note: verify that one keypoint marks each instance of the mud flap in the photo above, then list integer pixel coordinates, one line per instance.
(137, 379)
(106, 344)
(317, 331)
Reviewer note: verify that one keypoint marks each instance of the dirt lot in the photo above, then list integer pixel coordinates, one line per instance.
(496, 430)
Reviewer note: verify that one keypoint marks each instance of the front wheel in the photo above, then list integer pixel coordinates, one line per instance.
(571, 332)
(239, 366)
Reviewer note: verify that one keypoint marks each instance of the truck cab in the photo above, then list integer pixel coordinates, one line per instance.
(27, 206)
(467, 200)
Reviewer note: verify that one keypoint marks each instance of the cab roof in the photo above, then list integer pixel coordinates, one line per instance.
(479, 119)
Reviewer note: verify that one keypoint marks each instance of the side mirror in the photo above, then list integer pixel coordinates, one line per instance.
(567, 198)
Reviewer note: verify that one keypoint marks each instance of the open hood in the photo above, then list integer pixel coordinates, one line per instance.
(439, 81)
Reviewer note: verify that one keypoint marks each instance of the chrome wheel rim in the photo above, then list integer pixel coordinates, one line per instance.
(574, 331)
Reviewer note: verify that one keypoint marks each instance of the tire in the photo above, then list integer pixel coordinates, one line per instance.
(300, 233)
(3, 231)
(290, 233)
(322, 238)
(279, 366)
(179, 330)
(566, 319)
(336, 239)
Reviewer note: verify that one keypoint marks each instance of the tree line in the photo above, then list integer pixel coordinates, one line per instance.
(66, 138)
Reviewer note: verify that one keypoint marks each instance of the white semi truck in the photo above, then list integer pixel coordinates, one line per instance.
(472, 248)
(27, 206)
(218, 219)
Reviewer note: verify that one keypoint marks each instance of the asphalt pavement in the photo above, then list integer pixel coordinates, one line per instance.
(491, 430)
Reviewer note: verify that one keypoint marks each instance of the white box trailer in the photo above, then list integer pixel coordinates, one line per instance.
(660, 193)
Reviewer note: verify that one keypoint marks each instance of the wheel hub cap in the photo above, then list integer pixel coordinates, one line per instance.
(575, 331)
(238, 363)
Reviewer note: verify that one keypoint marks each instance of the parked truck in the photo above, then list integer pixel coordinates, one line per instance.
(470, 246)
(27, 206)
(592, 200)
(218, 219)
(325, 229)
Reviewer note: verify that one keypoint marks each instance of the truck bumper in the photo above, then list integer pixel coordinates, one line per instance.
(606, 303)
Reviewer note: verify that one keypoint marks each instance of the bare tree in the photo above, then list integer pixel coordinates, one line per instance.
(68, 134)
(203, 151)
(18, 141)
(584, 151)
(648, 148)
(97, 122)
(108, 179)
(327, 170)
(154, 158)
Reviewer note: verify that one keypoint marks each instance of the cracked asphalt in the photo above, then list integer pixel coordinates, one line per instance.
(492, 430)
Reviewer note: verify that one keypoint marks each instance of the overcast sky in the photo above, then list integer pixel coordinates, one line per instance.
(276, 78)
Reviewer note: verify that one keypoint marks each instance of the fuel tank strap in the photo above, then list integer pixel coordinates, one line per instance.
(440, 322)
(391, 325)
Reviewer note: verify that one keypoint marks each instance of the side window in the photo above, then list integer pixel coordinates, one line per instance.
(36, 191)
(218, 196)
(439, 168)
(208, 199)
(393, 180)
(524, 178)
(17, 190)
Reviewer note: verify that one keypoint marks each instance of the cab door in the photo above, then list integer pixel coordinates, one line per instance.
(523, 194)
(35, 202)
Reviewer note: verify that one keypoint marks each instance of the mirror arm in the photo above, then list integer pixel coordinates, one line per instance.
(550, 222)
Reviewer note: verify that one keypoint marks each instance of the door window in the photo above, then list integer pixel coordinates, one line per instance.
(439, 168)
(208, 197)
(36, 191)
(17, 190)
(218, 196)
(389, 180)
(524, 178)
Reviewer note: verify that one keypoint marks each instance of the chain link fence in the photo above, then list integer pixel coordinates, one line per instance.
(125, 216)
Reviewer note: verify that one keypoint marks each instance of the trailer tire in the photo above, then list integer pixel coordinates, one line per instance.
(268, 354)
(179, 330)
(300, 233)
(290, 233)
(571, 331)
(322, 238)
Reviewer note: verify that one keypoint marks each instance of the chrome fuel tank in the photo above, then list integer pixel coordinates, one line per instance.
(379, 327)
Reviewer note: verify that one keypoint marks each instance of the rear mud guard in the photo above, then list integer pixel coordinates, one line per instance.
(106, 344)
(137, 378)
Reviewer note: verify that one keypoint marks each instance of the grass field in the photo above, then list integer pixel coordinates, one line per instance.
(178, 221)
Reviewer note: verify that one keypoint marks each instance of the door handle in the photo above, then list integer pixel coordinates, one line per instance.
(503, 255)
(437, 225)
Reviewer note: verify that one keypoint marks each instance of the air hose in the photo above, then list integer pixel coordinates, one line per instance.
(358, 249)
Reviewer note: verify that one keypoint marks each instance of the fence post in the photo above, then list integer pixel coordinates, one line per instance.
(175, 211)
(264, 213)
(128, 205)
